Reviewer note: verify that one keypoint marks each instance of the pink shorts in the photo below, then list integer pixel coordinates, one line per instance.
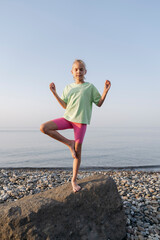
(79, 128)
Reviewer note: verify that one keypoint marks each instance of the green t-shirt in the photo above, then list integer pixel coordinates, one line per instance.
(79, 99)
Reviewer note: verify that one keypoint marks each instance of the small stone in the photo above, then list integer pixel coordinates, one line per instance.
(155, 220)
(158, 217)
(151, 190)
(140, 228)
(146, 225)
(157, 231)
(140, 237)
(4, 197)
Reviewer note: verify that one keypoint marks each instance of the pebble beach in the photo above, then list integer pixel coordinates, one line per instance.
(139, 190)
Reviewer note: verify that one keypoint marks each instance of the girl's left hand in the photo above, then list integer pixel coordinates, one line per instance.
(107, 85)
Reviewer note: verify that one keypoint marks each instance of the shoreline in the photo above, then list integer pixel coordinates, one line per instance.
(147, 168)
(139, 191)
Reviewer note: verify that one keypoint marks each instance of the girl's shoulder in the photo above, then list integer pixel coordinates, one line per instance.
(69, 85)
(91, 85)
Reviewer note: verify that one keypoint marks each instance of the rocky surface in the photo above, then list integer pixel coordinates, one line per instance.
(140, 192)
(94, 213)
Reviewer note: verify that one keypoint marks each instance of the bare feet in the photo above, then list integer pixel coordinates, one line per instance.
(75, 186)
(71, 147)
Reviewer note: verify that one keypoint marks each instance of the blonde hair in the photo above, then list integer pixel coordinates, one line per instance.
(79, 61)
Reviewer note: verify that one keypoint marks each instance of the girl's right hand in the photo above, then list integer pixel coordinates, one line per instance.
(107, 85)
(52, 87)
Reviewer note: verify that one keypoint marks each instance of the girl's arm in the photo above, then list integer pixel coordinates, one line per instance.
(53, 90)
(106, 89)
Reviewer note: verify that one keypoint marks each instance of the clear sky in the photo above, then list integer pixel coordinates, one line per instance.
(119, 40)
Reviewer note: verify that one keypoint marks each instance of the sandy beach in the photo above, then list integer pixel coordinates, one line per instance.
(139, 191)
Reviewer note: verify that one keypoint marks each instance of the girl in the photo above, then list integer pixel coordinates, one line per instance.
(77, 99)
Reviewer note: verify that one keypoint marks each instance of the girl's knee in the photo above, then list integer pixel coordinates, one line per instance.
(43, 128)
(46, 127)
(78, 147)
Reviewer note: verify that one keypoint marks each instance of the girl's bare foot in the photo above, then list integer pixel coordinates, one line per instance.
(71, 147)
(75, 186)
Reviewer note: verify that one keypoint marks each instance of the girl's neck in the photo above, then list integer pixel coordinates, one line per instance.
(78, 81)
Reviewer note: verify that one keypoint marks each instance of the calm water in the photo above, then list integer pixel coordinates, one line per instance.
(107, 147)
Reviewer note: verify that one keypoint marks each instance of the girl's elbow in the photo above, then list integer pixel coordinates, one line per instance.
(100, 103)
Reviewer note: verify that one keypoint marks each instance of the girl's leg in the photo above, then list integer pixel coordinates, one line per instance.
(79, 132)
(76, 165)
(50, 128)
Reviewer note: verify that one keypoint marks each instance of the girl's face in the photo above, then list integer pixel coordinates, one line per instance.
(78, 71)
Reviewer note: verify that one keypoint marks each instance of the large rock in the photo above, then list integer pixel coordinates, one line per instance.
(94, 213)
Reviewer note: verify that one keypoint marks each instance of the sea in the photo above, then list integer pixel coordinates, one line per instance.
(103, 148)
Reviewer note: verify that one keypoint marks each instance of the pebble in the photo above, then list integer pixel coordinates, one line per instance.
(140, 193)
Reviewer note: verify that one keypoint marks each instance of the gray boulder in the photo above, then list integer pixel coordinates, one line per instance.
(94, 213)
